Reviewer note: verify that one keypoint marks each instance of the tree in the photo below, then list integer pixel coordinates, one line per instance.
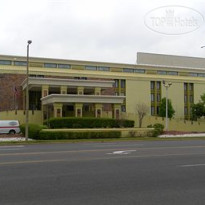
(162, 108)
(203, 98)
(142, 110)
(197, 110)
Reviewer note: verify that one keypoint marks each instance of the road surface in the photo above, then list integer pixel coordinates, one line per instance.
(118, 173)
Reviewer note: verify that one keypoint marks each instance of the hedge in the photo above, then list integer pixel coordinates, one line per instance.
(158, 129)
(48, 135)
(71, 122)
(33, 130)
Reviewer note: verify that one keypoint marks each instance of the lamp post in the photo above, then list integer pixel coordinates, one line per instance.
(166, 85)
(27, 91)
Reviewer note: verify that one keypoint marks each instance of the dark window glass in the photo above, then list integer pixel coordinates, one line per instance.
(201, 75)
(139, 71)
(193, 74)
(152, 110)
(90, 67)
(152, 85)
(185, 98)
(116, 85)
(64, 66)
(122, 83)
(102, 68)
(5, 62)
(158, 97)
(191, 98)
(191, 87)
(157, 110)
(158, 85)
(172, 73)
(161, 72)
(123, 108)
(128, 70)
(20, 63)
(50, 65)
(185, 86)
(185, 111)
(152, 97)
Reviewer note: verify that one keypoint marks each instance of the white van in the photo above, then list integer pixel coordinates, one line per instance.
(9, 126)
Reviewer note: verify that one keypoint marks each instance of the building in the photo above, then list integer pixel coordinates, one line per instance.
(59, 87)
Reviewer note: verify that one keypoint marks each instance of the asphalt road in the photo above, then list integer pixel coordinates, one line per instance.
(122, 173)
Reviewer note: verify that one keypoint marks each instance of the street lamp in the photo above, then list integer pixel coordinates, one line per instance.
(27, 91)
(202, 46)
(166, 85)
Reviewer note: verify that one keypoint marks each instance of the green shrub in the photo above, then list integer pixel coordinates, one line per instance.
(48, 135)
(33, 130)
(71, 122)
(158, 129)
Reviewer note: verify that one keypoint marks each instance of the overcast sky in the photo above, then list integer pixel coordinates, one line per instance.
(98, 30)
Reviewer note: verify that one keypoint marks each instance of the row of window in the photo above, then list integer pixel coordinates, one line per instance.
(163, 72)
(157, 98)
(156, 85)
(119, 83)
(132, 70)
(188, 86)
(99, 68)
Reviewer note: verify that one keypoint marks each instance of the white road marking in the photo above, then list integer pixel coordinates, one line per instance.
(122, 152)
(5, 148)
(11, 146)
(192, 165)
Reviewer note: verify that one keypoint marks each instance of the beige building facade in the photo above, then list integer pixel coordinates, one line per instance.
(72, 88)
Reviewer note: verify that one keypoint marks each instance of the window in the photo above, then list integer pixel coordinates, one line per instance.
(122, 83)
(201, 75)
(116, 85)
(64, 66)
(158, 85)
(5, 62)
(193, 74)
(152, 110)
(191, 98)
(90, 67)
(50, 65)
(139, 70)
(172, 73)
(161, 72)
(123, 108)
(102, 68)
(20, 63)
(158, 98)
(191, 86)
(152, 85)
(185, 110)
(36, 76)
(157, 110)
(152, 97)
(185, 86)
(128, 70)
(185, 98)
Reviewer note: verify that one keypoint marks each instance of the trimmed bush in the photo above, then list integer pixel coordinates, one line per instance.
(48, 135)
(158, 129)
(33, 130)
(71, 122)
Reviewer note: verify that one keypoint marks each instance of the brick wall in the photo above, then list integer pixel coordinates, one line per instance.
(9, 98)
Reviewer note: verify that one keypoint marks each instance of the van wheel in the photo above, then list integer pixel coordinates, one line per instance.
(12, 132)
